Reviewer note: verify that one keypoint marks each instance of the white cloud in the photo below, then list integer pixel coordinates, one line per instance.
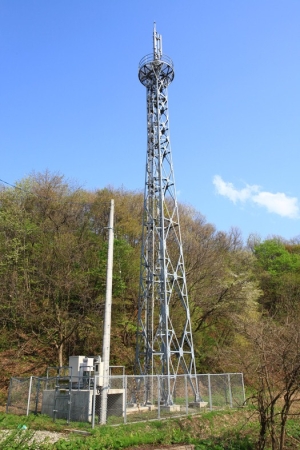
(278, 203)
(228, 190)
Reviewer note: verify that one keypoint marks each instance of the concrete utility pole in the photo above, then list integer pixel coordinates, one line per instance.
(107, 317)
(164, 338)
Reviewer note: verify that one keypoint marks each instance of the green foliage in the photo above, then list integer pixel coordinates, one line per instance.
(278, 271)
(236, 442)
(273, 256)
(125, 269)
(293, 428)
(167, 432)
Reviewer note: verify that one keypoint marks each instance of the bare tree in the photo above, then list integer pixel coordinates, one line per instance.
(270, 358)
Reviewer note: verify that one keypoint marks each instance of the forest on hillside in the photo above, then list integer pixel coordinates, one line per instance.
(243, 297)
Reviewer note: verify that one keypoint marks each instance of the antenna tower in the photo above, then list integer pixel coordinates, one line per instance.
(164, 337)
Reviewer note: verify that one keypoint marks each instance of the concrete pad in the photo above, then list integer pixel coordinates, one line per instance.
(170, 408)
(198, 404)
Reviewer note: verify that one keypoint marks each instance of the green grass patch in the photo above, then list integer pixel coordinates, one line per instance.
(212, 431)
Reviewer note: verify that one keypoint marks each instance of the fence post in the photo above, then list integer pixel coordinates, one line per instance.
(186, 395)
(29, 395)
(243, 386)
(158, 396)
(125, 399)
(209, 392)
(94, 402)
(9, 395)
(37, 396)
(229, 390)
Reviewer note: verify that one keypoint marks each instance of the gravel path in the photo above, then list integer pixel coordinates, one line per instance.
(39, 436)
(48, 436)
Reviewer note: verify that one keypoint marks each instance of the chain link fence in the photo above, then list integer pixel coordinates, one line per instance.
(130, 398)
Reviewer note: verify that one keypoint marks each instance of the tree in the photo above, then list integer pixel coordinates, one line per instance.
(53, 254)
(278, 271)
(47, 253)
(275, 257)
(269, 356)
(220, 283)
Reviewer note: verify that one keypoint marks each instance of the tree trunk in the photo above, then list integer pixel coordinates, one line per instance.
(60, 353)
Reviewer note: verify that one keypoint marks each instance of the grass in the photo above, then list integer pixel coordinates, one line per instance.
(197, 430)
(215, 430)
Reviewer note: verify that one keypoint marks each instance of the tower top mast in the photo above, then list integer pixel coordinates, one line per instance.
(156, 66)
(157, 44)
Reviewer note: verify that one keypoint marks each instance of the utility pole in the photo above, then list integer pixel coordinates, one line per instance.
(107, 317)
(164, 337)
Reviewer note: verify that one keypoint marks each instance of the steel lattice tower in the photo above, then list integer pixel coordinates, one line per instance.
(164, 337)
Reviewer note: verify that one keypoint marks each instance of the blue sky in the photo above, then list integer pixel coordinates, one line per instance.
(71, 101)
